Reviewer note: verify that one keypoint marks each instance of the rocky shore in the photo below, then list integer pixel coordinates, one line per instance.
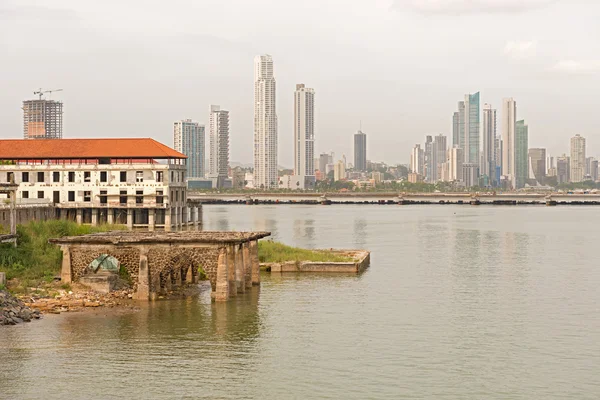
(78, 301)
(13, 311)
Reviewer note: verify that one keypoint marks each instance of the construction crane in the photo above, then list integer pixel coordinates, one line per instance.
(42, 92)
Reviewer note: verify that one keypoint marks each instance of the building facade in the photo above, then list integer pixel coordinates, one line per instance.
(429, 164)
(577, 158)
(537, 159)
(471, 129)
(417, 160)
(509, 122)
(188, 139)
(521, 156)
(218, 132)
(42, 119)
(265, 124)
(360, 151)
(440, 151)
(455, 164)
(563, 169)
(339, 171)
(488, 166)
(304, 133)
(455, 128)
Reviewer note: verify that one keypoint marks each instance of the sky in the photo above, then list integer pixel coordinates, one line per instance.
(130, 68)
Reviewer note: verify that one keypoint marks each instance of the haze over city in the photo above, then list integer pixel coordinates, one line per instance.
(400, 67)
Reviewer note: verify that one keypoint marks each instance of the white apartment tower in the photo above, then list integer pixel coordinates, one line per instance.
(577, 158)
(188, 138)
(219, 144)
(265, 124)
(304, 132)
(489, 142)
(509, 122)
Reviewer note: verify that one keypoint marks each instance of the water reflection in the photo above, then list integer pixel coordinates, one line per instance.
(360, 231)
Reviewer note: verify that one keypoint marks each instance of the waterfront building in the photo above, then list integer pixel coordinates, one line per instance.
(414, 177)
(440, 151)
(577, 158)
(455, 164)
(470, 174)
(521, 157)
(265, 124)
(471, 129)
(304, 134)
(188, 138)
(417, 160)
(537, 159)
(509, 122)
(137, 182)
(455, 128)
(488, 166)
(591, 169)
(339, 171)
(360, 151)
(563, 169)
(429, 164)
(42, 119)
(219, 145)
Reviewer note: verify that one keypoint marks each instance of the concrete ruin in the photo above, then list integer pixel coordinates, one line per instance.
(158, 261)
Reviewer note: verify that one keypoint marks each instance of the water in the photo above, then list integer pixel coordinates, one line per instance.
(460, 302)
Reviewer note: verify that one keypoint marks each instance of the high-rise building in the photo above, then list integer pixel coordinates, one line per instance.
(537, 159)
(339, 171)
(265, 124)
(417, 160)
(455, 128)
(440, 150)
(471, 129)
(455, 164)
(325, 159)
(461, 126)
(521, 157)
(577, 158)
(498, 153)
(488, 167)
(360, 151)
(591, 169)
(429, 165)
(563, 169)
(509, 122)
(42, 119)
(188, 138)
(218, 164)
(470, 174)
(304, 132)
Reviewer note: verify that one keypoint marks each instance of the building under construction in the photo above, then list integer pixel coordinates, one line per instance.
(42, 119)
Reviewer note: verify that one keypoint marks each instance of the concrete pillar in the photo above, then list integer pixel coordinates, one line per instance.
(231, 271)
(222, 289)
(184, 215)
(13, 212)
(110, 216)
(94, 216)
(247, 266)
(151, 215)
(79, 217)
(193, 217)
(168, 219)
(255, 262)
(66, 272)
(143, 288)
(189, 276)
(239, 270)
(129, 218)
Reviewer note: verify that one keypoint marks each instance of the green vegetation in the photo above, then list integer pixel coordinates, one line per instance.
(269, 251)
(35, 261)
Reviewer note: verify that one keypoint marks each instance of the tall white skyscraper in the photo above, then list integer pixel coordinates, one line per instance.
(219, 144)
(304, 132)
(188, 138)
(265, 124)
(509, 121)
(489, 143)
(577, 158)
(455, 164)
(417, 160)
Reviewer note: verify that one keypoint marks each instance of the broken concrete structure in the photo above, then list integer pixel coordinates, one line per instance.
(158, 261)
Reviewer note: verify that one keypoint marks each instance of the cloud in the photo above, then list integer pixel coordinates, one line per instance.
(471, 6)
(520, 49)
(577, 67)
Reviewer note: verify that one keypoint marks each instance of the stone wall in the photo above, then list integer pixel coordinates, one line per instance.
(174, 263)
(129, 257)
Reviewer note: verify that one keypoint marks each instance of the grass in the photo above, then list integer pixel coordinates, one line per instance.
(35, 261)
(269, 251)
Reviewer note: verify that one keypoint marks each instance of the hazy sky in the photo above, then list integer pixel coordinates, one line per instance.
(132, 67)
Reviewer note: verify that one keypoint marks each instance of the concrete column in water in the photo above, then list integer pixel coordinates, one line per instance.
(129, 218)
(66, 271)
(79, 216)
(239, 269)
(151, 219)
(110, 216)
(231, 271)
(189, 276)
(222, 287)
(247, 266)
(168, 219)
(94, 216)
(143, 287)
(255, 262)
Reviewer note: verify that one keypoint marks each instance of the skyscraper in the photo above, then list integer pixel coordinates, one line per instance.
(439, 156)
(304, 132)
(563, 169)
(219, 144)
(461, 126)
(429, 165)
(509, 121)
(265, 124)
(42, 119)
(471, 129)
(455, 164)
(455, 128)
(577, 158)
(360, 151)
(537, 158)
(521, 157)
(417, 160)
(498, 154)
(188, 138)
(489, 144)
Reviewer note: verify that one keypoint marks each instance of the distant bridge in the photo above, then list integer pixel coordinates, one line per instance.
(397, 198)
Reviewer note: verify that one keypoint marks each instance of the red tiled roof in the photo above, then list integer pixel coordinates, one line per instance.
(51, 149)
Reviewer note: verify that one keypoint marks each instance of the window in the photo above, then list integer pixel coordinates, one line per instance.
(10, 177)
(159, 197)
(159, 176)
(177, 195)
(103, 176)
(87, 196)
(41, 177)
(123, 176)
(56, 197)
(72, 179)
(172, 177)
(40, 194)
(139, 176)
(123, 197)
(71, 195)
(103, 197)
(25, 194)
(139, 197)
(87, 176)
(56, 177)
(24, 177)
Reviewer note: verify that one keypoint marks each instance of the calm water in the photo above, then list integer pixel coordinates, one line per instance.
(460, 302)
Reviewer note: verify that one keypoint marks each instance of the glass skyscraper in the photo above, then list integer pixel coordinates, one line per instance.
(521, 153)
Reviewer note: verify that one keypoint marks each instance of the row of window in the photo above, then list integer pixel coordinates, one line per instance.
(26, 177)
(87, 196)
